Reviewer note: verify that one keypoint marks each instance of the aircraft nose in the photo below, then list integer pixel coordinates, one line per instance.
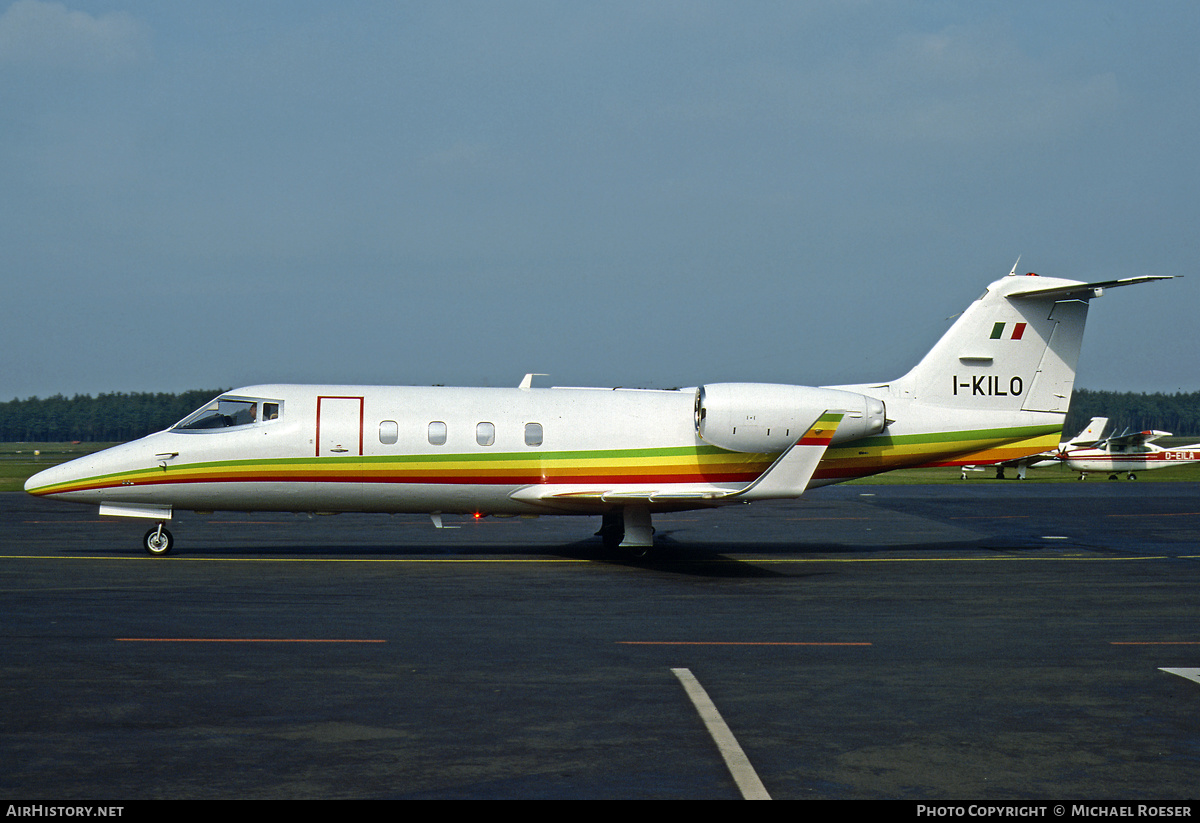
(84, 478)
(51, 481)
(44, 479)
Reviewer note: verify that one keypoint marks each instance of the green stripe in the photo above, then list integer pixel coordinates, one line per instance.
(1016, 433)
(965, 439)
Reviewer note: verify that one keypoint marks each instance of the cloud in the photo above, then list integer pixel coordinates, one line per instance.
(42, 34)
(978, 85)
(968, 84)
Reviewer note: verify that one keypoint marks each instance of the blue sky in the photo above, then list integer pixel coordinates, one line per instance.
(652, 193)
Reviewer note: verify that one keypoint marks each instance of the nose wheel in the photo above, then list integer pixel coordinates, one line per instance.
(158, 541)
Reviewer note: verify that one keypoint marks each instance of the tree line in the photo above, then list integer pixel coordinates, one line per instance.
(121, 416)
(1177, 413)
(115, 417)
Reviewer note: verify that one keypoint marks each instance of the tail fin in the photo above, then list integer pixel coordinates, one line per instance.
(1013, 349)
(1090, 436)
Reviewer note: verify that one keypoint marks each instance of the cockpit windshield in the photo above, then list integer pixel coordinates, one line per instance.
(226, 412)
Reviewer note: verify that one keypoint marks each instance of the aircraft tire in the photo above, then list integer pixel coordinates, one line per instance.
(158, 542)
(1132, 476)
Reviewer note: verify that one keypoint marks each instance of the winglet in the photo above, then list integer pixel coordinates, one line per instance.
(792, 471)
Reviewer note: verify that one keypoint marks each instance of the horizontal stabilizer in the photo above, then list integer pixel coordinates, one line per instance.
(1085, 291)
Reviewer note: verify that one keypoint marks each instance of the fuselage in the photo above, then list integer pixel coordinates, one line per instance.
(499, 450)
(1129, 458)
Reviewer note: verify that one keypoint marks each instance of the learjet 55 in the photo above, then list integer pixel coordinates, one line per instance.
(995, 387)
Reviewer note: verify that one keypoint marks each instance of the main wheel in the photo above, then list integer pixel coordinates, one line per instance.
(158, 541)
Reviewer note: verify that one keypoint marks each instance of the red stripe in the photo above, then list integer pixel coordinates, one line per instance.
(816, 440)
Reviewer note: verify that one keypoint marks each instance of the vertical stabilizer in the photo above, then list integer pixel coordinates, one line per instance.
(1090, 436)
(995, 387)
(1013, 349)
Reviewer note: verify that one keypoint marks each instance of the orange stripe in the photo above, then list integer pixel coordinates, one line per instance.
(234, 640)
(724, 643)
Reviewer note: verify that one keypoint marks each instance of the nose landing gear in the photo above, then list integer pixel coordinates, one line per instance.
(158, 541)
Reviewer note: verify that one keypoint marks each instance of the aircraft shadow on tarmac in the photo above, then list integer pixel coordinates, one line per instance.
(701, 558)
(697, 560)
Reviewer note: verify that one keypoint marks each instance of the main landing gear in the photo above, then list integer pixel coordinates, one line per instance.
(628, 528)
(158, 541)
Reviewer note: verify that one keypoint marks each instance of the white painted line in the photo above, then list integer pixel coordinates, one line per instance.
(735, 759)
(1190, 674)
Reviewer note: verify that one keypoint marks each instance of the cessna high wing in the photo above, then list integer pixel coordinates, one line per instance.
(1130, 452)
(995, 387)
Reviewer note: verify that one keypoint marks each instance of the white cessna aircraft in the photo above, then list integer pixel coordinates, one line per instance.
(995, 387)
(1088, 437)
(1130, 452)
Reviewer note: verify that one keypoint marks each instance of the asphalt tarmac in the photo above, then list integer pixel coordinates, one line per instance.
(971, 642)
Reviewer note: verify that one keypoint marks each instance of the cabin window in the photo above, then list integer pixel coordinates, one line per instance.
(485, 434)
(437, 433)
(533, 434)
(389, 432)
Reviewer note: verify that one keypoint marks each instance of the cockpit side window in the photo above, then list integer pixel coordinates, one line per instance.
(227, 412)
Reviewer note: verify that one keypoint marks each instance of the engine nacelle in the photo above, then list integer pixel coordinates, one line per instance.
(764, 418)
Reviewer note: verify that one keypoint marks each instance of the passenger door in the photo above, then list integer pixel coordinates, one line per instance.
(339, 426)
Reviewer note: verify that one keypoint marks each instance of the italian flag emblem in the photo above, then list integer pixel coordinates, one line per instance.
(1018, 330)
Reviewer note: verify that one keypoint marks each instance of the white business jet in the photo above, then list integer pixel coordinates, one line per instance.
(995, 387)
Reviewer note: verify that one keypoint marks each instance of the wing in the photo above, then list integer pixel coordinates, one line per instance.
(787, 477)
(1129, 438)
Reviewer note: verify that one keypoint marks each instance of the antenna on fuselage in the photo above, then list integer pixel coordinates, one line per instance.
(1013, 273)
